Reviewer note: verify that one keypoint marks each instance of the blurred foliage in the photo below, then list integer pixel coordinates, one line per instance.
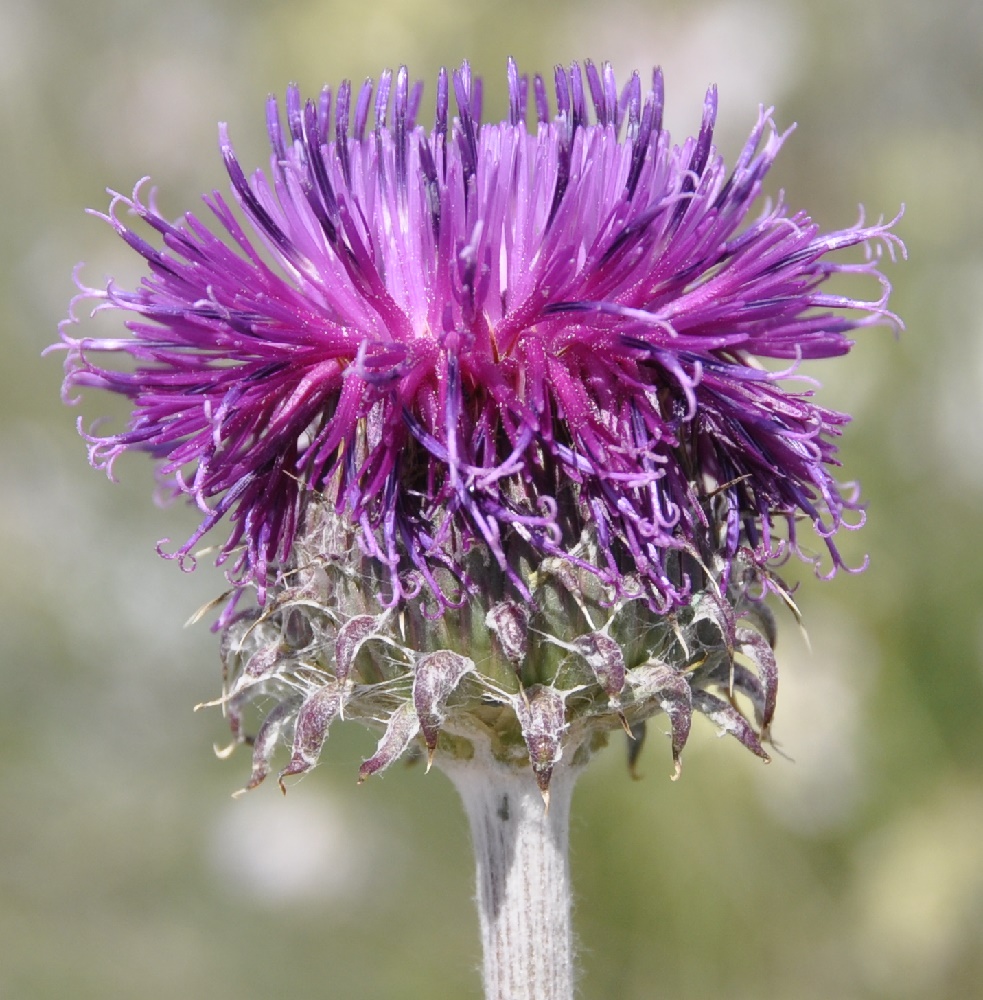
(855, 872)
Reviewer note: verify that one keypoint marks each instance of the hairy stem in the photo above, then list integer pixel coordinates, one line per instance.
(523, 876)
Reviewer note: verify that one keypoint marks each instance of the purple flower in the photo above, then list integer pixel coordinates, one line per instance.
(490, 338)
(507, 424)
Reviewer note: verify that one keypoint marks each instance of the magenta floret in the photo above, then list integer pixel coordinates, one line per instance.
(489, 334)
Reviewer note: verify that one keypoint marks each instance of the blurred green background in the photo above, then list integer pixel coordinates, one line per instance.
(855, 871)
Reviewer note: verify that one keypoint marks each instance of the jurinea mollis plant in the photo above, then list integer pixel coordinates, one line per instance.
(506, 427)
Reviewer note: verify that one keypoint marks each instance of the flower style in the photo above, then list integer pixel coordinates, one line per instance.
(493, 413)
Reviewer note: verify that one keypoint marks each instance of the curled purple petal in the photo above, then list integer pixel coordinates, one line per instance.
(508, 621)
(435, 678)
(317, 712)
(349, 640)
(542, 717)
(660, 683)
(606, 661)
(265, 743)
(730, 721)
(756, 648)
(403, 725)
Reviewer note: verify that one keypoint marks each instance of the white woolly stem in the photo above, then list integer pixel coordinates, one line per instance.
(523, 876)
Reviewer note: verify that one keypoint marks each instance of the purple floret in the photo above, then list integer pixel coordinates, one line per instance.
(499, 335)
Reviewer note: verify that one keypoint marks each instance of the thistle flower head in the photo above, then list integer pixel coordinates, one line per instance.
(497, 414)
